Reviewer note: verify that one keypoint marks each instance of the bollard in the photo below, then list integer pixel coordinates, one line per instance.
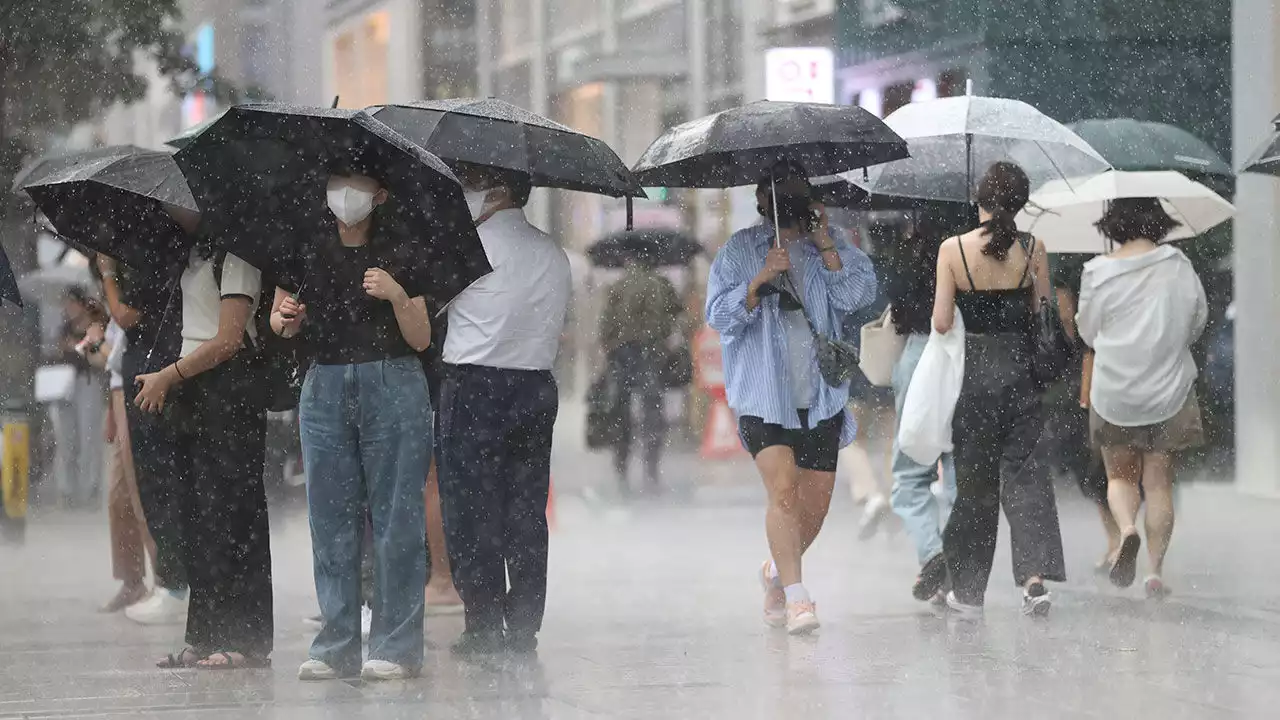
(15, 471)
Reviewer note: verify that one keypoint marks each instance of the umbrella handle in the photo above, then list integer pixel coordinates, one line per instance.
(777, 223)
(631, 213)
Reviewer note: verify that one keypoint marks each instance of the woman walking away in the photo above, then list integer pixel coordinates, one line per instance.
(997, 278)
(366, 424)
(218, 415)
(1141, 308)
(911, 297)
(790, 419)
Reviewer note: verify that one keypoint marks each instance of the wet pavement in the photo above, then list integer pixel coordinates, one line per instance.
(653, 613)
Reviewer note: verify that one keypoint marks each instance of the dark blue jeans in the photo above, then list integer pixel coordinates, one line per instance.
(495, 472)
(366, 443)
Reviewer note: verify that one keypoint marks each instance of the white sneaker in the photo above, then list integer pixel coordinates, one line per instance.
(164, 607)
(963, 610)
(366, 621)
(315, 670)
(384, 670)
(873, 514)
(802, 618)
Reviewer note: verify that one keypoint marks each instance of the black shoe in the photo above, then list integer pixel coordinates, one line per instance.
(473, 644)
(521, 644)
(931, 578)
(1126, 565)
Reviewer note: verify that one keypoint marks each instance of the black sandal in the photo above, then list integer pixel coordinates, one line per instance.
(246, 662)
(931, 578)
(173, 661)
(1126, 566)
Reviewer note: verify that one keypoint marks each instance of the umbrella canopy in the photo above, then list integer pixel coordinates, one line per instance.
(1130, 144)
(259, 175)
(120, 205)
(498, 134)
(662, 247)
(1063, 218)
(185, 137)
(1266, 159)
(54, 163)
(743, 145)
(837, 191)
(954, 140)
(8, 283)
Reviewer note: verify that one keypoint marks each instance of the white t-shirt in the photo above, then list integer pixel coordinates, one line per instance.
(116, 338)
(800, 350)
(513, 317)
(202, 298)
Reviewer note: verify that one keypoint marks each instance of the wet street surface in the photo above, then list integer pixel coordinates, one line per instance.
(654, 613)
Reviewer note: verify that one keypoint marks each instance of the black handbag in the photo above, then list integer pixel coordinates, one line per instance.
(1052, 350)
(677, 369)
(607, 419)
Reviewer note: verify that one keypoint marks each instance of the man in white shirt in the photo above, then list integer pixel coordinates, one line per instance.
(498, 406)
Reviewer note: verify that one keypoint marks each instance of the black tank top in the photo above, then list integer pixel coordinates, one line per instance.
(1005, 311)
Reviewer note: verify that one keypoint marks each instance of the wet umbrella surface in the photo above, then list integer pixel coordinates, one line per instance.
(498, 134)
(661, 247)
(119, 205)
(259, 175)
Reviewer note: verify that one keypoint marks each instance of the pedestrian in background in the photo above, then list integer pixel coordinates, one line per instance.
(792, 421)
(498, 407)
(130, 542)
(997, 278)
(911, 293)
(146, 306)
(77, 419)
(1141, 308)
(365, 415)
(441, 596)
(217, 408)
(639, 315)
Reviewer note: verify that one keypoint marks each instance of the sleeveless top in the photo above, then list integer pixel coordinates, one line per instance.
(998, 312)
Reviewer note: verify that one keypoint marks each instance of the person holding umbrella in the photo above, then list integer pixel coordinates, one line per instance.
(498, 408)
(791, 421)
(997, 278)
(1141, 308)
(364, 414)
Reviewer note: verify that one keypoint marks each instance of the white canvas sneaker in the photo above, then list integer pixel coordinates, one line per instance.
(164, 607)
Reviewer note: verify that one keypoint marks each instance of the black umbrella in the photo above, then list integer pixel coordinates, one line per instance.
(48, 164)
(498, 134)
(8, 283)
(120, 205)
(259, 175)
(185, 137)
(742, 145)
(836, 191)
(661, 247)
(1138, 145)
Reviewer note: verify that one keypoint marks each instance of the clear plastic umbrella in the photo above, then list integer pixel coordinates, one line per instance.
(954, 140)
(1063, 218)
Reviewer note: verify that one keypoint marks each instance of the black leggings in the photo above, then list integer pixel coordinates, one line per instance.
(220, 440)
(996, 428)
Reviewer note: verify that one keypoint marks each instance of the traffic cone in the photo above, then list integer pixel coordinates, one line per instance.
(720, 440)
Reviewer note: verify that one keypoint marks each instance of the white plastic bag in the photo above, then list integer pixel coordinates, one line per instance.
(924, 432)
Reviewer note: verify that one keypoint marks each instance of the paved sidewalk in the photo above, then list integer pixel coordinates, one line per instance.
(654, 614)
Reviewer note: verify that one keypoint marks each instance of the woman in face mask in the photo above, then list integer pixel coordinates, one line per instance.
(365, 417)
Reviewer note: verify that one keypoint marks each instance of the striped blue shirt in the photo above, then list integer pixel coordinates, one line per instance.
(754, 343)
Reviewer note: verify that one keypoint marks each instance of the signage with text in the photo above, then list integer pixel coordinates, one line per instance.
(800, 75)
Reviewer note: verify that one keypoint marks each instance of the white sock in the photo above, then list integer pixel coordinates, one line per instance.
(796, 593)
(772, 572)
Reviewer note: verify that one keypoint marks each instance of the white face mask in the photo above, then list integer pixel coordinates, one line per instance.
(476, 201)
(349, 204)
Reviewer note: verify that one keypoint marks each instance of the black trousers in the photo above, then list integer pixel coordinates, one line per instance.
(495, 472)
(638, 374)
(996, 428)
(153, 446)
(219, 421)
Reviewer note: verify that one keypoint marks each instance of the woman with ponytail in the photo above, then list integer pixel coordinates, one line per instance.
(997, 277)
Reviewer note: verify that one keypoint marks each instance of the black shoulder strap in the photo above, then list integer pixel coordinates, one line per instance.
(965, 261)
(1028, 243)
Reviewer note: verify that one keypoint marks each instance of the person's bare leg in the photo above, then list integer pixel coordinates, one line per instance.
(814, 492)
(1112, 530)
(440, 590)
(1157, 480)
(1124, 478)
(777, 467)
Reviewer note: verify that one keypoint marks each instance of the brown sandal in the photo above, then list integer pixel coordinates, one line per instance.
(179, 659)
(245, 662)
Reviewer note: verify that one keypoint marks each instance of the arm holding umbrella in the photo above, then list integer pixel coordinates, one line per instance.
(125, 316)
(733, 300)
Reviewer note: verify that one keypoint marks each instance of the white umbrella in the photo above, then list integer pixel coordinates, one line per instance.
(954, 140)
(1063, 218)
(48, 285)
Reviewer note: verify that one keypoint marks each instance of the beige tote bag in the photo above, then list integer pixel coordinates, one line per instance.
(881, 348)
